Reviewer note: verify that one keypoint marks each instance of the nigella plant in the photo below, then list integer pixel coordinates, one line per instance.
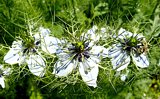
(83, 54)
(129, 46)
(27, 50)
(4, 72)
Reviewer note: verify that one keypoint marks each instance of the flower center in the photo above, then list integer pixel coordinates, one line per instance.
(29, 45)
(138, 45)
(80, 50)
(130, 43)
(79, 47)
(133, 42)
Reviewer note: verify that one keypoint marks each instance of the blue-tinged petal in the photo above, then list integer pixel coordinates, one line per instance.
(89, 72)
(123, 34)
(44, 32)
(36, 65)
(63, 68)
(138, 36)
(63, 56)
(140, 60)
(99, 51)
(2, 81)
(114, 51)
(50, 44)
(121, 61)
(91, 34)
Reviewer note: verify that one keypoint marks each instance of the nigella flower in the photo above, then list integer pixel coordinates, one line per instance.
(4, 72)
(81, 54)
(27, 50)
(129, 46)
(49, 44)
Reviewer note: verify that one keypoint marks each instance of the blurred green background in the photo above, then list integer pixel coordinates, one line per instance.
(142, 16)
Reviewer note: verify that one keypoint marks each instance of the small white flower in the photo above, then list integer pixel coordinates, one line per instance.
(28, 51)
(4, 72)
(83, 55)
(123, 77)
(129, 45)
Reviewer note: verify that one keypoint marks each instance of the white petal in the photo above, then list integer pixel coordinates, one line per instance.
(50, 44)
(6, 71)
(103, 30)
(140, 60)
(138, 36)
(12, 57)
(124, 64)
(37, 37)
(63, 56)
(17, 45)
(44, 32)
(1, 67)
(36, 65)
(2, 83)
(115, 50)
(123, 33)
(92, 30)
(99, 51)
(91, 34)
(89, 72)
(120, 61)
(63, 68)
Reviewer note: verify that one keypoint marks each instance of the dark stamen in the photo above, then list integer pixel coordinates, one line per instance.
(38, 42)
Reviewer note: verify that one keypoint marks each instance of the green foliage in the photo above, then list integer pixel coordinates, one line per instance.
(63, 18)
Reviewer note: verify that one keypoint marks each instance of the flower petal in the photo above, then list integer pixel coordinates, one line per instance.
(120, 60)
(140, 60)
(50, 44)
(89, 72)
(44, 32)
(6, 71)
(122, 34)
(103, 30)
(115, 50)
(63, 56)
(91, 34)
(2, 83)
(63, 68)
(13, 55)
(36, 65)
(99, 51)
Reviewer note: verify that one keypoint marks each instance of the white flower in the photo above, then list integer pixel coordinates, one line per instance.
(83, 55)
(123, 77)
(129, 45)
(27, 50)
(49, 44)
(3, 72)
